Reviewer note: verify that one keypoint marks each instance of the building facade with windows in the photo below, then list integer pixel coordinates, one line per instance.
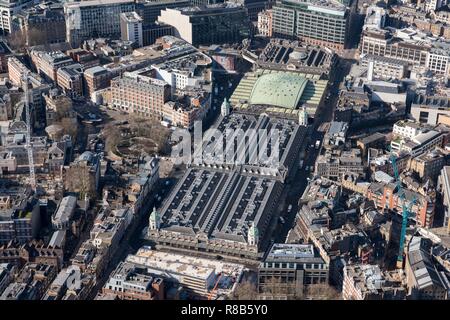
(265, 23)
(383, 43)
(439, 61)
(212, 24)
(139, 93)
(94, 18)
(288, 268)
(316, 22)
(131, 27)
(8, 8)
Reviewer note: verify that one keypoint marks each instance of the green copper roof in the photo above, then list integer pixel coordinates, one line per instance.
(278, 89)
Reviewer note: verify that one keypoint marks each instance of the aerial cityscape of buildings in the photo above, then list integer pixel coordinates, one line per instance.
(350, 98)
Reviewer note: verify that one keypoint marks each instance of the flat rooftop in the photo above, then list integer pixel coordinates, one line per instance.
(383, 59)
(210, 9)
(288, 131)
(222, 200)
(284, 251)
(95, 3)
(311, 59)
(183, 265)
(435, 102)
(330, 7)
(196, 202)
(131, 17)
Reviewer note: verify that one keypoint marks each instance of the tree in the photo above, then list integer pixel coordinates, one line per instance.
(17, 40)
(246, 290)
(112, 137)
(322, 291)
(64, 108)
(70, 127)
(36, 37)
(274, 287)
(153, 130)
(78, 178)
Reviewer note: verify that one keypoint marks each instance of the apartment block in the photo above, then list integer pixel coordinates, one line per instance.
(265, 23)
(48, 63)
(182, 114)
(140, 93)
(131, 28)
(428, 165)
(387, 196)
(70, 80)
(16, 69)
(96, 78)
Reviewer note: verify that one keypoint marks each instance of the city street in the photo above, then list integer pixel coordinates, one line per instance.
(296, 187)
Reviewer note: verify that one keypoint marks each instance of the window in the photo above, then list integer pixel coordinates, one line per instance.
(423, 116)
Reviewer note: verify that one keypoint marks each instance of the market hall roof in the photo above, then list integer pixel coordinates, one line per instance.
(278, 89)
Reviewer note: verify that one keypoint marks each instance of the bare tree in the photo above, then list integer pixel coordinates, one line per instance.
(153, 130)
(64, 108)
(322, 291)
(246, 290)
(70, 127)
(17, 40)
(78, 178)
(112, 137)
(34, 36)
(276, 288)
